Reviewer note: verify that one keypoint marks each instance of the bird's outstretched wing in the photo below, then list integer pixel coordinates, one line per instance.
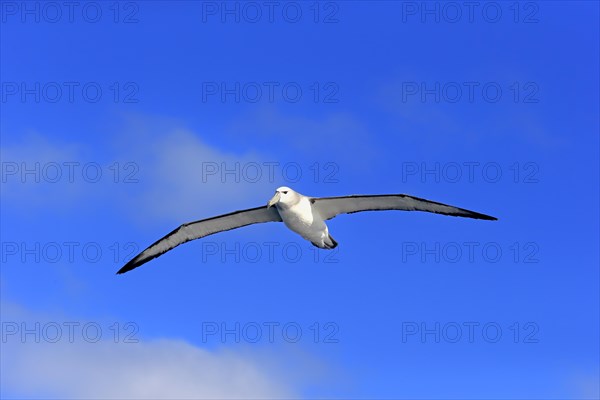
(202, 228)
(329, 207)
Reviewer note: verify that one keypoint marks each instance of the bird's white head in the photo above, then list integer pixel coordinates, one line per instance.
(284, 196)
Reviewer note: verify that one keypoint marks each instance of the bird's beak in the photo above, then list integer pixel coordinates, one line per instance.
(274, 200)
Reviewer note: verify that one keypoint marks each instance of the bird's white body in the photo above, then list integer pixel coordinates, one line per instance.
(299, 216)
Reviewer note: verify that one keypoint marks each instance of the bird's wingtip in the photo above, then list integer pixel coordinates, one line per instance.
(128, 267)
(488, 217)
(122, 271)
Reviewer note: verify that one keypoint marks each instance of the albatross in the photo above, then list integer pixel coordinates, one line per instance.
(302, 214)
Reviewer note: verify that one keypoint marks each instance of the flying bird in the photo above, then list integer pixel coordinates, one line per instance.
(302, 214)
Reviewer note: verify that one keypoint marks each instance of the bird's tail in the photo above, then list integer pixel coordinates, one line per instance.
(330, 242)
(327, 244)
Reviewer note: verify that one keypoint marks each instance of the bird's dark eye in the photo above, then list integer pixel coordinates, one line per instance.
(284, 192)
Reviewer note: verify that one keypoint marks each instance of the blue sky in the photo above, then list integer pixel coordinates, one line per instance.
(120, 121)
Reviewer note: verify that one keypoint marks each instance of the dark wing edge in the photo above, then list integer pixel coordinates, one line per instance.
(386, 202)
(191, 231)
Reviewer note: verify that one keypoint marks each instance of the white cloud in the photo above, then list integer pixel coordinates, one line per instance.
(586, 385)
(163, 368)
(168, 170)
(149, 369)
(183, 178)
